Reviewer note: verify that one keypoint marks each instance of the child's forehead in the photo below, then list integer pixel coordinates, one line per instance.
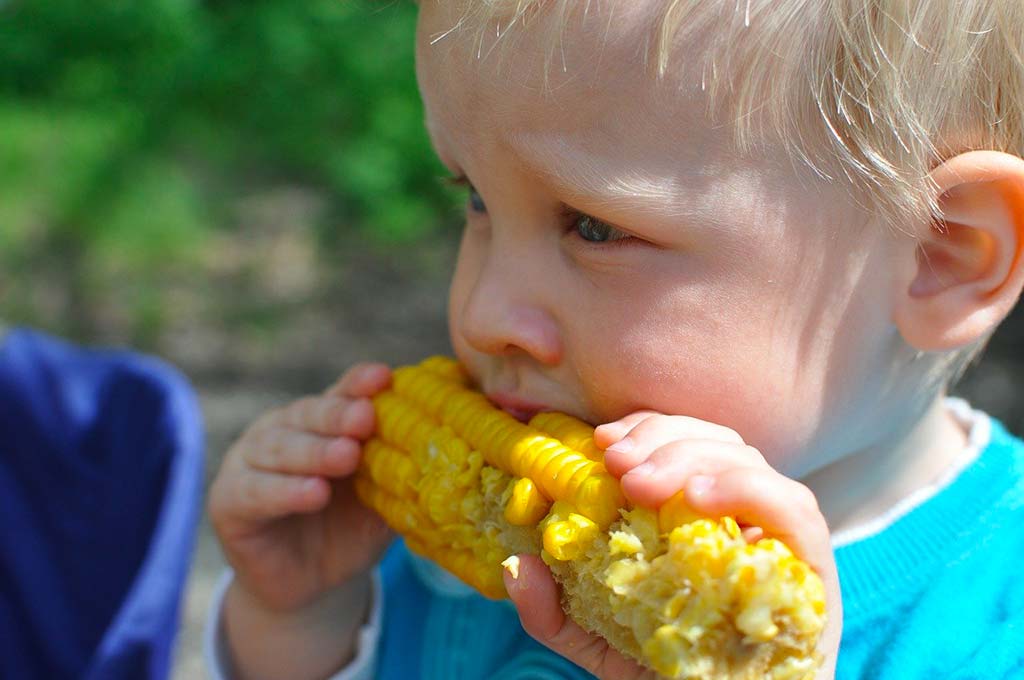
(589, 88)
(595, 123)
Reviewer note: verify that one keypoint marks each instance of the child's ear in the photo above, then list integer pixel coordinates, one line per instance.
(969, 268)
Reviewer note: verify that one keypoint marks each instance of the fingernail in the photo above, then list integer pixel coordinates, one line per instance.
(643, 470)
(338, 451)
(309, 485)
(624, 445)
(350, 417)
(699, 485)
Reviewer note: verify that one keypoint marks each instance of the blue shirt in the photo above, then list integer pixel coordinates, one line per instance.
(939, 593)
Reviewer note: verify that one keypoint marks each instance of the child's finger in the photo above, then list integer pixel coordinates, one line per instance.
(361, 380)
(657, 431)
(665, 472)
(295, 452)
(536, 597)
(607, 434)
(259, 496)
(331, 416)
(782, 507)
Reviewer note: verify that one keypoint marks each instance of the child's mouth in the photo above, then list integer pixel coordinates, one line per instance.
(519, 409)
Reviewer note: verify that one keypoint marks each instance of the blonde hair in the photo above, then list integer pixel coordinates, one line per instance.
(879, 91)
(876, 91)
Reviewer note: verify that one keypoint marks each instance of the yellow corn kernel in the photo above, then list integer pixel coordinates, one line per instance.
(567, 539)
(675, 512)
(467, 485)
(572, 432)
(526, 506)
(665, 649)
(515, 448)
(390, 468)
(447, 368)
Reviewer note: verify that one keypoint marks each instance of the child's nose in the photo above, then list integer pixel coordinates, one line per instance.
(502, 315)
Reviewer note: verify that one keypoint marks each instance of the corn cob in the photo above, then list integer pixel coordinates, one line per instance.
(467, 485)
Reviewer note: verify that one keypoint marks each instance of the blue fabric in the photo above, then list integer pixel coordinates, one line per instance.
(429, 635)
(939, 594)
(101, 466)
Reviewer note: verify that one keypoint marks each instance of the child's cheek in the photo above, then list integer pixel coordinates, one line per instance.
(766, 406)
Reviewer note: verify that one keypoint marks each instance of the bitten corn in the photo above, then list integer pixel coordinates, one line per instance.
(467, 485)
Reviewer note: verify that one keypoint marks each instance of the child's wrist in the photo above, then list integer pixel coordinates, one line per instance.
(314, 640)
(322, 610)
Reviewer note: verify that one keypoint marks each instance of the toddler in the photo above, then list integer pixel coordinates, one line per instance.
(754, 243)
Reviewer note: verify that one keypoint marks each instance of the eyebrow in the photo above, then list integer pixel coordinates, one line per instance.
(583, 177)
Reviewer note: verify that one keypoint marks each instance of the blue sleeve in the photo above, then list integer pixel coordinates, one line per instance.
(406, 603)
(100, 489)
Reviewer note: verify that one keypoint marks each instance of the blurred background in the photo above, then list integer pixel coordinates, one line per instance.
(244, 188)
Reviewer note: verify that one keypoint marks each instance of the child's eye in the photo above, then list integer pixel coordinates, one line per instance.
(476, 202)
(594, 230)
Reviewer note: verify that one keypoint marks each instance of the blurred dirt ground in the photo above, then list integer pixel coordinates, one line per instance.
(388, 307)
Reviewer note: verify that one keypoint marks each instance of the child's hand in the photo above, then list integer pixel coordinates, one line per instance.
(283, 503)
(655, 456)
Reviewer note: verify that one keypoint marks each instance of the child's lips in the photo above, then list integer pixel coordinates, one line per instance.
(520, 409)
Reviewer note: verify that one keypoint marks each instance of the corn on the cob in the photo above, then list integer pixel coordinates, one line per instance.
(467, 485)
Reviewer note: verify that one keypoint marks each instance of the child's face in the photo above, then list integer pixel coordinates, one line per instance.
(735, 289)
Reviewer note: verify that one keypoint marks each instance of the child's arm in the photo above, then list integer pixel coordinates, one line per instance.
(313, 641)
(721, 476)
(300, 542)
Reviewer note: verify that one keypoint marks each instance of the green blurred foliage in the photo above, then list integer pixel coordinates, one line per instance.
(130, 128)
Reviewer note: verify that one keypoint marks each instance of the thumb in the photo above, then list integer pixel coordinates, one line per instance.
(537, 598)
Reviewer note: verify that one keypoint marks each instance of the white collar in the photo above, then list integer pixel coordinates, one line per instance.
(978, 426)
